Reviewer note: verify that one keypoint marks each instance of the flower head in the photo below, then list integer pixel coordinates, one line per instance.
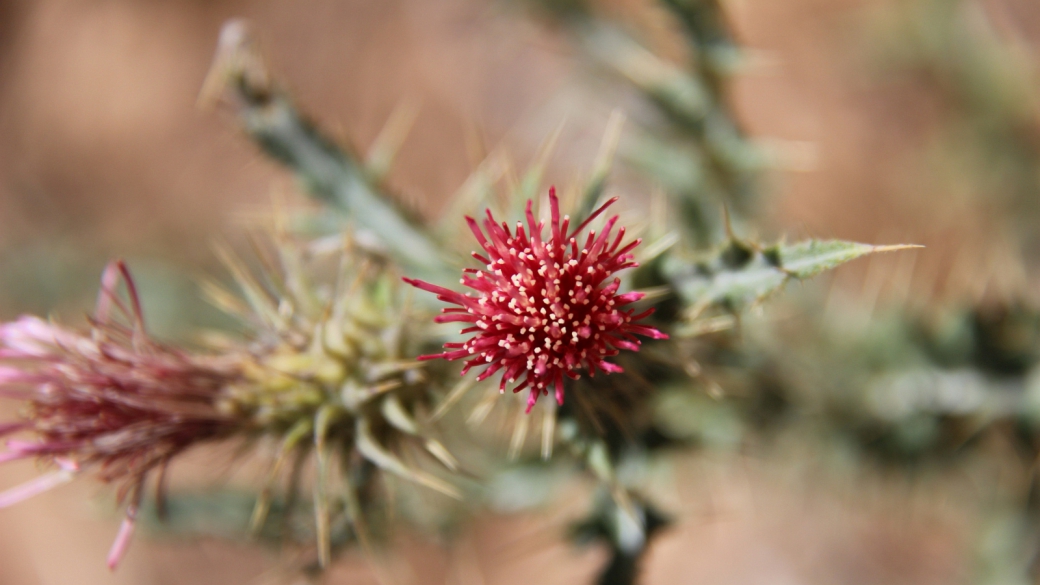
(113, 400)
(544, 309)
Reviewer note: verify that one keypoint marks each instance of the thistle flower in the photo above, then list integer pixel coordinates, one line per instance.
(114, 400)
(545, 310)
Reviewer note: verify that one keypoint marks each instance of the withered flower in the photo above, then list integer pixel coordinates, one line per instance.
(111, 400)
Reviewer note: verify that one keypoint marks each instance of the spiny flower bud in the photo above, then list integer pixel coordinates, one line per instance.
(330, 373)
(544, 310)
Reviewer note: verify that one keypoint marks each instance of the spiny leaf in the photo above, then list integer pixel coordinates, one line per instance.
(384, 149)
(379, 456)
(397, 415)
(263, 501)
(322, 421)
(441, 453)
(807, 259)
(740, 274)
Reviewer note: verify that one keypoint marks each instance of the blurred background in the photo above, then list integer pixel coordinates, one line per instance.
(913, 121)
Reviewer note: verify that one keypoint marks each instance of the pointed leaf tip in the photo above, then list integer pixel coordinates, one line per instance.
(719, 280)
(807, 259)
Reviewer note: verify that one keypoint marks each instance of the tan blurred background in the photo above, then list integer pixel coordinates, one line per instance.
(104, 153)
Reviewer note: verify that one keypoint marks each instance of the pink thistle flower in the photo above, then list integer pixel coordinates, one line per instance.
(544, 309)
(113, 399)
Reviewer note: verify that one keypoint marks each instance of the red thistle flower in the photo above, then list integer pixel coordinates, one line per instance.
(113, 400)
(544, 309)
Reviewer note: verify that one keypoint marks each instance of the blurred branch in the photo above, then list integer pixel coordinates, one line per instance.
(627, 537)
(714, 52)
(329, 173)
(700, 124)
(690, 102)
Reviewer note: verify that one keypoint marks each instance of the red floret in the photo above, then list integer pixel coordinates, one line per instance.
(544, 309)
